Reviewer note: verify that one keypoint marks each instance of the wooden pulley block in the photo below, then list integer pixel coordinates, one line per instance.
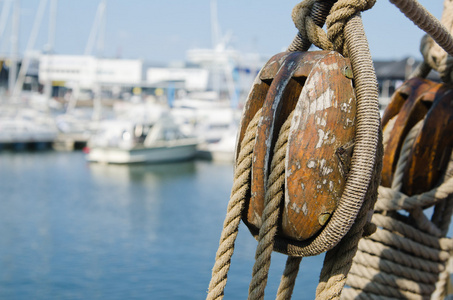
(409, 104)
(432, 147)
(318, 87)
(408, 89)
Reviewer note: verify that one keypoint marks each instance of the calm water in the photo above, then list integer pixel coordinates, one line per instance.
(73, 230)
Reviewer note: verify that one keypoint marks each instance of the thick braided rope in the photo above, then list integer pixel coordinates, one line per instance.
(309, 30)
(390, 271)
(388, 266)
(234, 211)
(444, 221)
(288, 280)
(380, 285)
(433, 54)
(395, 283)
(437, 32)
(273, 199)
(386, 252)
(349, 294)
(338, 261)
(314, 13)
(427, 22)
(392, 200)
(399, 260)
(341, 12)
(363, 165)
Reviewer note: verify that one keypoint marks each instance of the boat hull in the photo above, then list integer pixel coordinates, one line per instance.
(142, 155)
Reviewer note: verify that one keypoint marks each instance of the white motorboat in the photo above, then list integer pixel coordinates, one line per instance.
(19, 128)
(223, 150)
(123, 142)
(25, 131)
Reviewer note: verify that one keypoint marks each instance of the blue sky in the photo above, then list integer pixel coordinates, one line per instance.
(160, 31)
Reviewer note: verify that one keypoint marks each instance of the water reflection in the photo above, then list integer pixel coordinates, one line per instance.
(148, 173)
(73, 230)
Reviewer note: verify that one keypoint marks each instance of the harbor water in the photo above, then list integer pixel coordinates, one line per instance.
(74, 230)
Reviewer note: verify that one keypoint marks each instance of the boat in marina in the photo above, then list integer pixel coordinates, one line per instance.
(127, 141)
(19, 133)
(20, 128)
(221, 151)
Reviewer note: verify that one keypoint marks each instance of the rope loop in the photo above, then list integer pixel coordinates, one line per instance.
(307, 27)
(437, 58)
(340, 13)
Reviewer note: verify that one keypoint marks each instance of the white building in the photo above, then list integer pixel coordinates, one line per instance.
(192, 79)
(88, 71)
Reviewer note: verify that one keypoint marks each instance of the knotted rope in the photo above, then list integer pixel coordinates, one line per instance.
(343, 17)
(345, 34)
(406, 257)
(434, 55)
(363, 172)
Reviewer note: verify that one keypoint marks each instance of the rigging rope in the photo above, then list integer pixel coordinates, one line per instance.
(345, 34)
(234, 211)
(273, 200)
(404, 260)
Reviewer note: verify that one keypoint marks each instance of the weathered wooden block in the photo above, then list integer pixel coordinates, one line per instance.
(318, 87)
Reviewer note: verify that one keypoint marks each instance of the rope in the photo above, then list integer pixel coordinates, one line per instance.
(341, 12)
(338, 261)
(315, 12)
(273, 199)
(434, 56)
(406, 257)
(437, 43)
(286, 287)
(427, 22)
(393, 200)
(348, 224)
(405, 152)
(365, 155)
(234, 211)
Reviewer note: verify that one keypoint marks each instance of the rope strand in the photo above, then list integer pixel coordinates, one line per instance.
(273, 199)
(234, 211)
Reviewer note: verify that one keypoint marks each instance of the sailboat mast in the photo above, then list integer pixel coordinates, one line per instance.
(14, 50)
(51, 43)
(30, 45)
(214, 24)
(52, 26)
